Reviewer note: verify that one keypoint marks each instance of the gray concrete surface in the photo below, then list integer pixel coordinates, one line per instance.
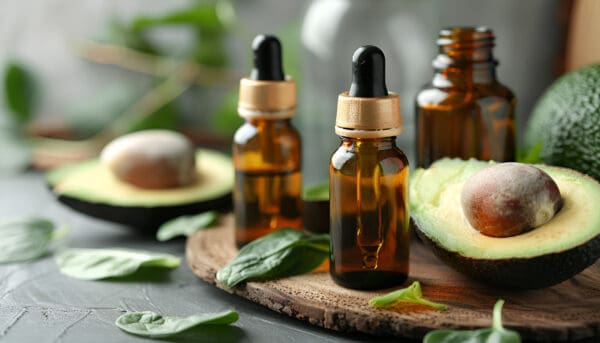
(39, 304)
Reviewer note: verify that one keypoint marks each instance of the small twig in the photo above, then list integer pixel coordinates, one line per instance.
(153, 65)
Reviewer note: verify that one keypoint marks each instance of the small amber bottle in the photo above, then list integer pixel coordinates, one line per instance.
(266, 148)
(464, 111)
(369, 219)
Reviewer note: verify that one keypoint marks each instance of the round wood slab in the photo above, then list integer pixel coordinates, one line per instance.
(568, 311)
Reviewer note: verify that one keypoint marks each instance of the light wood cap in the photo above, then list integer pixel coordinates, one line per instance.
(267, 99)
(368, 117)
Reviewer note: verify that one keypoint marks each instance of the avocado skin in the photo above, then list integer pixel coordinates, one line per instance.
(565, 122)
(521, 273)
(144, 219)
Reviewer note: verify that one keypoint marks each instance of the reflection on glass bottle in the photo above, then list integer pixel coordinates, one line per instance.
(465, 112)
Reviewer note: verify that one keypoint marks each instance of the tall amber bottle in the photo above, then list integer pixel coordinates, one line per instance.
(266, 148)
(369, 182)
(464, 111)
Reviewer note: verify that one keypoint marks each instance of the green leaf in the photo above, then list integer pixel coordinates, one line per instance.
(120, 33)
(226, 120)
(95, 264)
(203, 16)
(19, 91)
(150, 324)
(317, 191)
(186, 225)
(284, 252)
(163, 118)
(533, 156)
(411, 294)
(26, 239)
(496, 334)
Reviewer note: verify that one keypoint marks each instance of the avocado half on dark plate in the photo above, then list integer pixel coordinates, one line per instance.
(90, 188)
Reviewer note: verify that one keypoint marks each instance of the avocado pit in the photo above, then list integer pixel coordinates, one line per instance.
(152, 159)
(508, 199)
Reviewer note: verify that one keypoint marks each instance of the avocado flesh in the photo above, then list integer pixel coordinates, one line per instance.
(91, 188)
(549, 254)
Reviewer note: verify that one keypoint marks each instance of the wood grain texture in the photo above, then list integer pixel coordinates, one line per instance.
(565, 312)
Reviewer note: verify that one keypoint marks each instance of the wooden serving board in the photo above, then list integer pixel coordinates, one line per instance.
(566, 312)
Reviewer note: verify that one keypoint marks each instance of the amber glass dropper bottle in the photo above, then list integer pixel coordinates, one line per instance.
(369, 223)
(266, 148)
(464, 111)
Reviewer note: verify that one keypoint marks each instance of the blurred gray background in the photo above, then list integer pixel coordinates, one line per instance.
(319, 37)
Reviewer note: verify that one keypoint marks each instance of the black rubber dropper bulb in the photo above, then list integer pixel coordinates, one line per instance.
(267, 59)
(368, 73)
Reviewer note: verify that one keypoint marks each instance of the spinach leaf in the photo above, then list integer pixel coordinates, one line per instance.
(24, 240)
(186, 225)
(95, 264)
(496, 334)
(19, 91)
(412, 294)
(284, 252)
(150, 324)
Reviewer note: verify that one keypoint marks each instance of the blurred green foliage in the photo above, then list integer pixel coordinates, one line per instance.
(201, 63)
(19, 91)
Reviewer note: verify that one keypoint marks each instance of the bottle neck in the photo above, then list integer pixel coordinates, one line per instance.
(384, 143)
(284, 122)
(465, 56)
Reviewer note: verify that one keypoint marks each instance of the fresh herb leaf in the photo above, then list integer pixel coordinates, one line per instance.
(95, 264)
(19, 91)
(284, 252)
(150, 324)
(531, 156)
(496, 334)
(25, 240)
(412, 294)
(316, 192)
(186, 225)
(203, 15)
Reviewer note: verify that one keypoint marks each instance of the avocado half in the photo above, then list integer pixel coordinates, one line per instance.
(547, 255)
(90, 188)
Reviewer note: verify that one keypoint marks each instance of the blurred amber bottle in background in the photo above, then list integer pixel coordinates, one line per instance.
(266, 149)
(464, 111)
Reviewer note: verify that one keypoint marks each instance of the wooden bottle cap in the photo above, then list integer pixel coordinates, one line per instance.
(377, 117)
(267, 99)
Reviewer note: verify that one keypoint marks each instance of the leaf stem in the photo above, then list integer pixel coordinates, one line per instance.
(497, 315)
(160, 66)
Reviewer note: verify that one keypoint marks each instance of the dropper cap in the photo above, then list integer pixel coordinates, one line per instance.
(368, 110)
(267, 59)
(267, 93)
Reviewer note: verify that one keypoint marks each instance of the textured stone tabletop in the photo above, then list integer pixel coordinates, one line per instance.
(39, 304)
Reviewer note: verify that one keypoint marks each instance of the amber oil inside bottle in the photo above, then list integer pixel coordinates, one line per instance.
(464, 111)
(268, 182)
(370, 214)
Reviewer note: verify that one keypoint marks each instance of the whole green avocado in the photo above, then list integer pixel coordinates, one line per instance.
(564, 128)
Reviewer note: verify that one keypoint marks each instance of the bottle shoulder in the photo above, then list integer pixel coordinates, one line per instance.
(431, 95)
(250, 132)
(392, 160)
